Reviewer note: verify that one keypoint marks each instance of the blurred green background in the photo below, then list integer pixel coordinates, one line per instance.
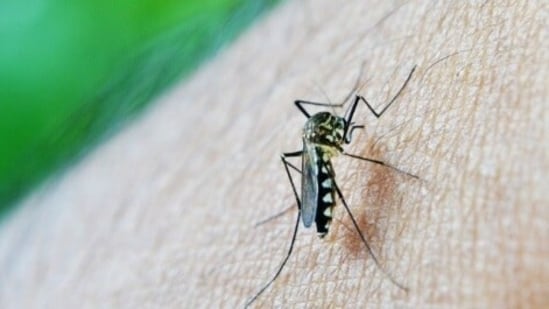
(72, 72)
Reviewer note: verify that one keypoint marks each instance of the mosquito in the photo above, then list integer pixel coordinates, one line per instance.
(324, 134)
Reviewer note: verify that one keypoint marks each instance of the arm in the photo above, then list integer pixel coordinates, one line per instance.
(164, 213)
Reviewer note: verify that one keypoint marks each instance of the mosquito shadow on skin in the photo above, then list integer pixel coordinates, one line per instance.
(377, 204)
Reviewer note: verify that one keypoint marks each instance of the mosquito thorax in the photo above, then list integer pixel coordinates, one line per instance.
(326, 130)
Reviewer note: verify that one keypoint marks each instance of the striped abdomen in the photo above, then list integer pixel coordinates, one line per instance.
(326, 194)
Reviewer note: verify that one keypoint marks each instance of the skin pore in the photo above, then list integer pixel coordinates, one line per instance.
(163, 214)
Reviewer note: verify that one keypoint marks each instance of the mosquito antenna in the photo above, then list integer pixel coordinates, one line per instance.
(368, 248)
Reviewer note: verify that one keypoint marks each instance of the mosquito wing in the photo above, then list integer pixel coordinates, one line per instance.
(309, 184)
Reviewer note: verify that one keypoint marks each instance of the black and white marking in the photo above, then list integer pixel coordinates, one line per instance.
(324, 134)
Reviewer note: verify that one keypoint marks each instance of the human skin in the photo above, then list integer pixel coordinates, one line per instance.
(163, 214)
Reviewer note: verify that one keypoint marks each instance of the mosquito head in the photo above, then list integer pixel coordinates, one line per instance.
(325, 129)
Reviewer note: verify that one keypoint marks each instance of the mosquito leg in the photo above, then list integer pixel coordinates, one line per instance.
(286, 163)
(292, 154)
(291, 248)
(293, 167)
(349, 136)
(393, 99)
(271, 218)
(300, 103)
(381, 163)
(351, 111)
(368, 248)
